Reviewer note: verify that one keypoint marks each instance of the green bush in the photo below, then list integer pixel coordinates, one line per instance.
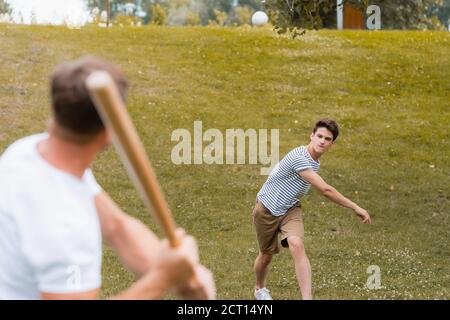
(159, 16)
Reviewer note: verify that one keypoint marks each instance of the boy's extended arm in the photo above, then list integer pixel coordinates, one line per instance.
(331, 193)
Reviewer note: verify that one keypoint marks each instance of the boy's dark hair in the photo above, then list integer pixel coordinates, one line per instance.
(330, 125)
(72, 106)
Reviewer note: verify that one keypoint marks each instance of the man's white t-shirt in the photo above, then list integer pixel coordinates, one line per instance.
(50, 236)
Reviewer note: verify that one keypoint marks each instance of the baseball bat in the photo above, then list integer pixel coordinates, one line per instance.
(112, 110)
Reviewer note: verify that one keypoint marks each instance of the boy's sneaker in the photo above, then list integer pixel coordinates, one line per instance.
(262, 294)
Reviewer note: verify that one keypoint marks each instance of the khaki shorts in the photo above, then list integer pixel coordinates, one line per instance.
(269, 226)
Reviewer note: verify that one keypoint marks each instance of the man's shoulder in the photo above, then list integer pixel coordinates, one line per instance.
(21, 151)
(18, 172)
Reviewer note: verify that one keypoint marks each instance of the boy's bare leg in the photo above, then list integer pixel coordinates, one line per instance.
(261, 267)
(302, 266)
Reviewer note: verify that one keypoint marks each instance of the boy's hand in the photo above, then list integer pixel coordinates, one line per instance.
(364, 215)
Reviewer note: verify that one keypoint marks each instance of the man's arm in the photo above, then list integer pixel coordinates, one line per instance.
(133, 242)
(172, 267)
(88, 295)
(138, 247)
(175, 270)
(331, 193)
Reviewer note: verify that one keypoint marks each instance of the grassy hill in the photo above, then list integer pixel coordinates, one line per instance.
(389, 91)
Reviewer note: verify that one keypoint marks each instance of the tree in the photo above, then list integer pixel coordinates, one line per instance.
(208, 8)
(192, 18)
(241, 15)
(406, 14)
(204, 8)
(183, 12)
(220, 17)
(117, 6)
(442, 11)
(159, 16)
(255, 5)
(100, 4)
(179, 12)
(189, 11)
(5, 7)
(297, 16)
(5, 12)
(121, 20)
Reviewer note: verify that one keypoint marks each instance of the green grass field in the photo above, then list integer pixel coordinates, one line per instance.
(389, 91)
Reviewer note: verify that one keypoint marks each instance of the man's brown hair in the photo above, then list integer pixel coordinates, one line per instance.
(72, 106)
(329, 124)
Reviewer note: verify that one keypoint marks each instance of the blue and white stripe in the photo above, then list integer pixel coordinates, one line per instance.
(284, 185)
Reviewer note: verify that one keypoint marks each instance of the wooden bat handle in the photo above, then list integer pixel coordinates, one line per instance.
(112, 110)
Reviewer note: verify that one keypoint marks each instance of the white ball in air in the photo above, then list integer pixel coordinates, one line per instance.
(259, 18)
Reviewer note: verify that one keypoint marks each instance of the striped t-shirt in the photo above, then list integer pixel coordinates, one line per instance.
(284, 186)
